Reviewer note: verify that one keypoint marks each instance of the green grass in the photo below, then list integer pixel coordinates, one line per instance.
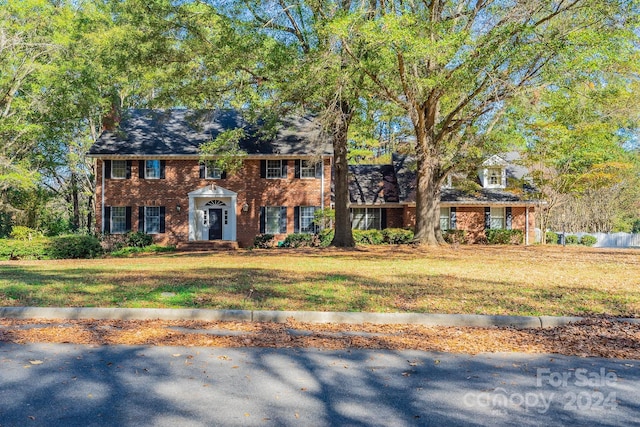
(472, 279)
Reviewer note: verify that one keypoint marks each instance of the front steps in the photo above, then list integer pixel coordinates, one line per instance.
(208, 245)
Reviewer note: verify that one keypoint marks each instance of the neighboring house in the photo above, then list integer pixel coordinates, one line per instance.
(149, 178)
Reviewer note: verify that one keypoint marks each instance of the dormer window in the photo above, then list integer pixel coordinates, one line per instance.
(495, 177)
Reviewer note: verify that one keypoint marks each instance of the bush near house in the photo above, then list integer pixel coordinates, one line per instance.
(504, 237)
(265, 241)
(455, 236)
(24, 249)
(397, 236)
(301, 240)
(20, 232)
(60, 247)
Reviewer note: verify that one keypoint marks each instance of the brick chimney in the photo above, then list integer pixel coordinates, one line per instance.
(111, 120)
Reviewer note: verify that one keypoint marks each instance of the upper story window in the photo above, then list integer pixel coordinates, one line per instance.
(212, 172)
(274, 168)
(119, 169)
(307, 169)
(152, 169)
(495, 177)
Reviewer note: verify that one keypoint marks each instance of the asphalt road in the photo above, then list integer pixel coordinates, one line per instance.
(72, 385)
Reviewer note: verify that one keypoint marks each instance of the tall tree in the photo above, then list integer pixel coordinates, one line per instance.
(453, 66)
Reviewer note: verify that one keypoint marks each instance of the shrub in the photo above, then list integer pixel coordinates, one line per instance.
(130, 250)
(325, 237)
(397, 236)
(264, 241)
(138, 239)
(368, 237)
(20, 232)
(572, 239)
(299, 240)
(588, 240)
(504, 237)
(73, 246)
(11, 249)
(551, 238)
(455, 236)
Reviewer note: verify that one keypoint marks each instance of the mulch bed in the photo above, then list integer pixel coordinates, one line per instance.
(594, 337)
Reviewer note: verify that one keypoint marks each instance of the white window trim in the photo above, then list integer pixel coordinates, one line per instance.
(266, 220)
(309, 229)
(212, 169)
(272, 169)
(146, 169)
(147, 222)
(310, 169)
(123, 216)
(502, 217)
(124, 169)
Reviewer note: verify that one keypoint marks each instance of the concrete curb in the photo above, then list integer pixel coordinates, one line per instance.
(281, 316)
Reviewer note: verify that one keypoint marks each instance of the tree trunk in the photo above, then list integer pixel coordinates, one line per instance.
(343, 236)
(75, 201)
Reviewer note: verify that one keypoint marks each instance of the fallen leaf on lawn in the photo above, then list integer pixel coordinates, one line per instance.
(176, 355)
(36, 362)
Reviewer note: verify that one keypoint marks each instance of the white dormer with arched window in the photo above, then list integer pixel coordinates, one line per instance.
(493, 173)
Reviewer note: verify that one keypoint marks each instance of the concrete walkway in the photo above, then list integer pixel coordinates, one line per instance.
(281, 316)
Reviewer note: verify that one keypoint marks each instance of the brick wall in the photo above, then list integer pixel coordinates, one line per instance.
(182, 177)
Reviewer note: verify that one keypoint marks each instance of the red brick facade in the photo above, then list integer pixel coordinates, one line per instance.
(182, 177)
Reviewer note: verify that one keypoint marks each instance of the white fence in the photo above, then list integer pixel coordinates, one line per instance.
(606, 240)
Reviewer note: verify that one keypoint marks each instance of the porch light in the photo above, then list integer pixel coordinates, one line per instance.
(178, 207)
(245, 207)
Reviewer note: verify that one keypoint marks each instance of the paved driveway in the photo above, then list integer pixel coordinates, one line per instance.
(72, 385)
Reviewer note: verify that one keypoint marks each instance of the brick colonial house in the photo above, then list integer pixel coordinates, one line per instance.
(149, 178)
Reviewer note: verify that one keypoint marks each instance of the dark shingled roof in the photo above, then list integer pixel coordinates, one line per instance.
(181, 132)
(372, 184)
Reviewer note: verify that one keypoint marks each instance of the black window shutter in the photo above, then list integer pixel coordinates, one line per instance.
(223, 175)
(128, 218)
(107, 219)
(141, 219)
(128, 176)
(487, 218)
(319, 169)
(163, 163)
(283, 173)
(383, 219)
(296, 218)
(297, 168)
(508, 218)
(263, 168)
(107, 169)
(283, 219)
(202, 170)
(141, 169)
(452, 217)
(263, 212)
(162, 221)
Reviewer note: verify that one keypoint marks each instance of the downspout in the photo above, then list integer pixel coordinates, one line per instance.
(102, 198)
(526, 226)
(322, 186)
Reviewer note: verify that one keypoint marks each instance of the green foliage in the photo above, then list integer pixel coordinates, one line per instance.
(455, 236)
(12, 249)
(132, 250)
(300, 240)
(368, 237)
(224, 152)
(326, 237)
(73, 246)
(20, 232)
(138, 239)
(397, 236)
(588, 240)
(504, 237)
(323, 218)
(551, 238)
(572, 239)
(265, 241)
(635, 227)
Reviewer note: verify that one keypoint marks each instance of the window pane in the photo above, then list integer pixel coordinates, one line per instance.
(119, 169)
(152, 169)
(359, 218)
(373, 219)
(306, 219)
(272, 221)
(307, 169)
(497, 218)
(213, 172)
(274, 168)
(118, 219)
(495, 176)
(444, 219)
(152, 219)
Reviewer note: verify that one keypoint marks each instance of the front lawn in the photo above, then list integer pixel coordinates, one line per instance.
(514, 280)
